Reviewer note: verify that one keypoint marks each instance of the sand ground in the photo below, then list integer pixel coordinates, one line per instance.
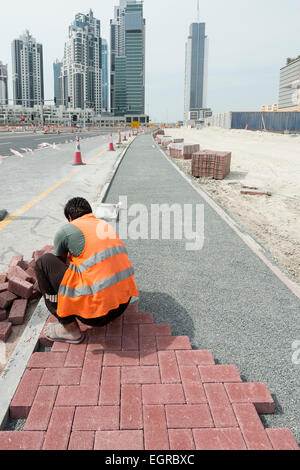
(267, 161)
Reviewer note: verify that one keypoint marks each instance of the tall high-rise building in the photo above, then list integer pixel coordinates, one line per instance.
(128, 58)
(105, 84)
(196, 61)
(3, 84)
(57, 68)
(81, 75)
(28, 73)
(289, 94)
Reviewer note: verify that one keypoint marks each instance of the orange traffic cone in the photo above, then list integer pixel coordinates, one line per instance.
(78, 158)
(111, 147)
(125, 138)
(247, 127)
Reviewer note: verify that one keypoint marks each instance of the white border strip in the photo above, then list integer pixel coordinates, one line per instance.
(15, 368)
(250, 242)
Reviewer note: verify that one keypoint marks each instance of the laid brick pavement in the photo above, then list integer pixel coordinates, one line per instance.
(134, 386)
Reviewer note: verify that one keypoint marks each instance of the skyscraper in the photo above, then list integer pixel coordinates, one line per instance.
(81, 76)
(105, 91)
(3, 84)
(57, 68)
(28, 74)
(196, 72)
(128, 59)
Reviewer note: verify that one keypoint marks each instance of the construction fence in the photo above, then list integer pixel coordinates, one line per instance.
(257, 121)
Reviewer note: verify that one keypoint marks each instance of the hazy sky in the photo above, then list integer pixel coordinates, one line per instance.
(249, 42)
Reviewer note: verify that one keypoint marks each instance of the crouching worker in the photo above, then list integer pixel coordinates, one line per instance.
(89, 277)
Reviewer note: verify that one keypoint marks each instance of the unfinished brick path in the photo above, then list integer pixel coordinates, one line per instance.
(133, 386)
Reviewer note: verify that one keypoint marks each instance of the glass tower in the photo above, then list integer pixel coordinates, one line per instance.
(3, 84)
(128, 59)
(57, 68)
(105, 86)
(196, 70)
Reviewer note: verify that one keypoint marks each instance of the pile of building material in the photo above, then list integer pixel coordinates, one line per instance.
(211, 164)
(158, 132)
(166, 140)
(183, 151)
(18, 287)
(255, 192)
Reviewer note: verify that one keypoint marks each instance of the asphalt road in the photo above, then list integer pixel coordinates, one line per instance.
(18, 141)
(223, 297)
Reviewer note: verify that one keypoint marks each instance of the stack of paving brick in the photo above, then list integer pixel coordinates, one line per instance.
(166, 140)
(211, 164)
(18, 287)
(134, 386)
(157, 133)
(183, 151)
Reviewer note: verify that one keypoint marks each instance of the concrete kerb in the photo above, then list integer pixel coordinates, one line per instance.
(15, 368)
(246, 237)
(102, 196)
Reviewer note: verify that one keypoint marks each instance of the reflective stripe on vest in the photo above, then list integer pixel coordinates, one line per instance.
(95, 288)
(103, 255)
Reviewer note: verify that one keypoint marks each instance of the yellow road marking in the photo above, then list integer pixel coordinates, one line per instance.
(41, 196)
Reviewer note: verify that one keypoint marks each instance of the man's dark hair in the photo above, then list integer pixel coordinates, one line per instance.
(77, 207)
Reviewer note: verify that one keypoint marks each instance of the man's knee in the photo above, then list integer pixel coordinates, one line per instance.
(45, 260)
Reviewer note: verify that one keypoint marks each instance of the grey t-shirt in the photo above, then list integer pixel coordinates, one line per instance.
(69, 239)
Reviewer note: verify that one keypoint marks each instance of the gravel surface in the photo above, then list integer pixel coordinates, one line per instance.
(223, 297)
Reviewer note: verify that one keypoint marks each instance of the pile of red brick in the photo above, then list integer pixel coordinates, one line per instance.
(183, 151)
(18, 287)
(211, 164)
(158, 132)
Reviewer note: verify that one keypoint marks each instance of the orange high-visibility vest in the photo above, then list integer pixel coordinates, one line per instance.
(101, 278)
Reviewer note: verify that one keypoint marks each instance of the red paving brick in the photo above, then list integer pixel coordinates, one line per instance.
(110, 386)
(82, 440)
(173, 342)
(119, 440)
(189, 416)
(63, 376)
(181, 439)
(163, 394)
(168, 367)
(25, 394)
(21, 440)
(40, 412)
(282, 439)
(219, 439)
(155, 428)
(131, 407)
(219, 373)
(58, 432)
(130, 338)
(140, 375)
(256, 393)
(81, 395)
(96, 418)
(134, 386)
